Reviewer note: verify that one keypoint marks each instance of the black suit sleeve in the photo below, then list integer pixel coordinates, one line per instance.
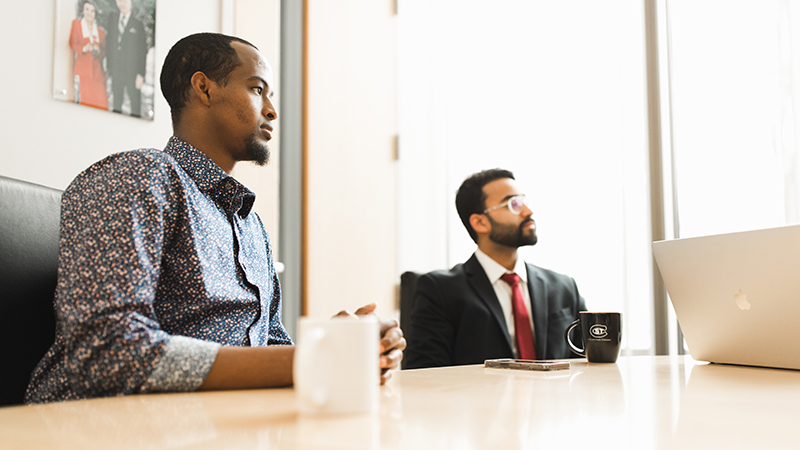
(140, 47)
(432, 333)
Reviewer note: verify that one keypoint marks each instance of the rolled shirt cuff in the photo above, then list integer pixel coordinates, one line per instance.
(183, 366)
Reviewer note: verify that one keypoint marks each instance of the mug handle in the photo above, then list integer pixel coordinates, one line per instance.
(576, 350)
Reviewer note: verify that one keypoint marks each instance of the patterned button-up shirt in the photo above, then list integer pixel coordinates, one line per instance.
(161, 262)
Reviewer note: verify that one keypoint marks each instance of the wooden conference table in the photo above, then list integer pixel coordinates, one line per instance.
(640, 402)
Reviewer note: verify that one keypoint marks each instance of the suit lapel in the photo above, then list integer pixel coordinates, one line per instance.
(479, 283)
(539, 308)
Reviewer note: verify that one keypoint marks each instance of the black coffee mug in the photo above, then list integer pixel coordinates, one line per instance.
(601, 333)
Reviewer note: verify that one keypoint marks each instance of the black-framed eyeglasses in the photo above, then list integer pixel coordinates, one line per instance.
(514, 204)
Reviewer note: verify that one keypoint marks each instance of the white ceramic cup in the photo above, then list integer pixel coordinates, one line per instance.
(336, 365)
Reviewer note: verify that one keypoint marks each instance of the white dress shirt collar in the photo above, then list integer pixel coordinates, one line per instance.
(494, 270)
(90, 32)
(123, 19)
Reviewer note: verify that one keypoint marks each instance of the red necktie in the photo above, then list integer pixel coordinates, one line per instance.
(522, 325)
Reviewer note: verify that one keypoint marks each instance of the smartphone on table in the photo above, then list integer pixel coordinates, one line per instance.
(525, 364)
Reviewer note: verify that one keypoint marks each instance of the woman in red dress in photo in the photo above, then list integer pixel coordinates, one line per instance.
(88, 41)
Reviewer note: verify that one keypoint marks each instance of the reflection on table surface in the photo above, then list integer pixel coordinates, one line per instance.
(638, 403)
(752, 407)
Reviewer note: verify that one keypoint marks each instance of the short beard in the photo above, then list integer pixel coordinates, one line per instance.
(256, 152)
(511, 236)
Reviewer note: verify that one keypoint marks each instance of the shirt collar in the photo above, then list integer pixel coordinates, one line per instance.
(494, 270)
(229, 194)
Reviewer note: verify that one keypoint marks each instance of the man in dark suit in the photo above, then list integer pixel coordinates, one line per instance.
(126, 55)
(494, 305)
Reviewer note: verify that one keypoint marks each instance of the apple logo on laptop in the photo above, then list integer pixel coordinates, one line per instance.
(741, 300)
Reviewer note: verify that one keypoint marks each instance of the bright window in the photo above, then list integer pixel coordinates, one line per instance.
(554, 91)
(734, 83)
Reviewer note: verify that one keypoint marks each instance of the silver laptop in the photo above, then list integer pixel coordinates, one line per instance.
(737, 295)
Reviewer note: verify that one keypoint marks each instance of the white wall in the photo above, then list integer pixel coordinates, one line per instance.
(350, 120)
(48, 141)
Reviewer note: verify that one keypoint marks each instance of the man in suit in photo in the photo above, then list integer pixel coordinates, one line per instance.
(126, 56)
(494, 305)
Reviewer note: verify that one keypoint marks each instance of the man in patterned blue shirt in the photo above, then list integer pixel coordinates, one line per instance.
(166, 279)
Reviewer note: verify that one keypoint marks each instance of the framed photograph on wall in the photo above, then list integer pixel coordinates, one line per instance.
(104, 55)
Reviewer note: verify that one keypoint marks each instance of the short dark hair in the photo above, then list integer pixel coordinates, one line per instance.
(210, 53)
(470, 198)
(83, 3)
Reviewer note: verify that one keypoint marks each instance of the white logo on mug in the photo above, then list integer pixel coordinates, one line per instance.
(598, 331)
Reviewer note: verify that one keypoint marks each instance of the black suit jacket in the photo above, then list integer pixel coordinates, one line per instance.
(456, 318)
(126, 57)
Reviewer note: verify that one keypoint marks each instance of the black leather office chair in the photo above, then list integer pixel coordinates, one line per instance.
(408, 285)
(29, 228)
